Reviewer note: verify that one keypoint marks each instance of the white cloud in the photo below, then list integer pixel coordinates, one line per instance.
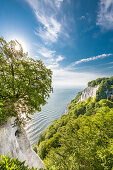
(60, 58)
(46, 52)
(65, 78)
(54, 3)
(53, 63)
(58, 3)
(105, 14)
(50, 58)
(53, 66)
(49, 28)
(91, 59)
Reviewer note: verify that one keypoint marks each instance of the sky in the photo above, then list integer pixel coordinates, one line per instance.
(74, 38)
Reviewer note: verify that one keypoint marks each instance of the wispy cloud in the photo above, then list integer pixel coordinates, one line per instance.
(44, 52)
(67, 77)
(50, 57)
(91, 59)
(105, 14)
(50, 28)
(110, 67)
(60, 58)
(58, 3)
(54, 62)
(71, 79)
(46, 14)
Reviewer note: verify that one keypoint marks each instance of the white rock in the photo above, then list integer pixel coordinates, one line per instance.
(88, 92)
(16, 143)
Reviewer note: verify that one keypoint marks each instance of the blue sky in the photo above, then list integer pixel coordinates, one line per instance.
(74, 38)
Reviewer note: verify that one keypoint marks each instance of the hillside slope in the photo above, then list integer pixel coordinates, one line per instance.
(83, 138)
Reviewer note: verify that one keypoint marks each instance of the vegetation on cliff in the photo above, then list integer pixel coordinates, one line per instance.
(105, 87)
(81, 139)
(8, 163)
(25, 83)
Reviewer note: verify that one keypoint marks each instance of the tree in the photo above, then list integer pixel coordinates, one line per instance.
(25, 83)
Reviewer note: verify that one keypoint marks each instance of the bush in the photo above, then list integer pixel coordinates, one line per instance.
(7, 163)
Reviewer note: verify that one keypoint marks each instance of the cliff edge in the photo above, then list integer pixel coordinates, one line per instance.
(88, 92)
(14, 141)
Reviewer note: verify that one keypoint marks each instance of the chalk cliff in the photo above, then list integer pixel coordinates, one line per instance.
(88, 92)
(14, 140)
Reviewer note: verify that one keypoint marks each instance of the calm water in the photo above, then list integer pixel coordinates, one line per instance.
(53, 110)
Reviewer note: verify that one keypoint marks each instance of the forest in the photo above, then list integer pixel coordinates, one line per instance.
(83, 138)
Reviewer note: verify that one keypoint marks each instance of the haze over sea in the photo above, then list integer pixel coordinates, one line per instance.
(55, 107)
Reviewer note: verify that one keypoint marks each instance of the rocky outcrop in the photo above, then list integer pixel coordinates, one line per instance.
(15, 142)
(88, 92)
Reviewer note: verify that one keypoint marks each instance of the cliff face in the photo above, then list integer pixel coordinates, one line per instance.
(15, 141)
(88, 92)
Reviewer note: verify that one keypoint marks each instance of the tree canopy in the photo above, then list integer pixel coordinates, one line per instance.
(25, 83)
(80, 139)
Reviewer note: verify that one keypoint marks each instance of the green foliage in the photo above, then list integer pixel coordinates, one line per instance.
(96, 82)
(2, 116)
(45, 147)
(84, 135)
(24, 82)
(105, 87)
(104, 103)
(35, 148)
(81, 139)
(7, 163)
(75, 100)
(53, 128)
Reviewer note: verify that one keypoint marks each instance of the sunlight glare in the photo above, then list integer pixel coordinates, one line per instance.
(17, 47)
(22, 42)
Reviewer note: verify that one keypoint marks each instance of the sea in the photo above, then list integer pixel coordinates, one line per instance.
(55, 107)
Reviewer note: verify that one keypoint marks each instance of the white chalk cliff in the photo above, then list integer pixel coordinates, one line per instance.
(15, 141)
(88, 92)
